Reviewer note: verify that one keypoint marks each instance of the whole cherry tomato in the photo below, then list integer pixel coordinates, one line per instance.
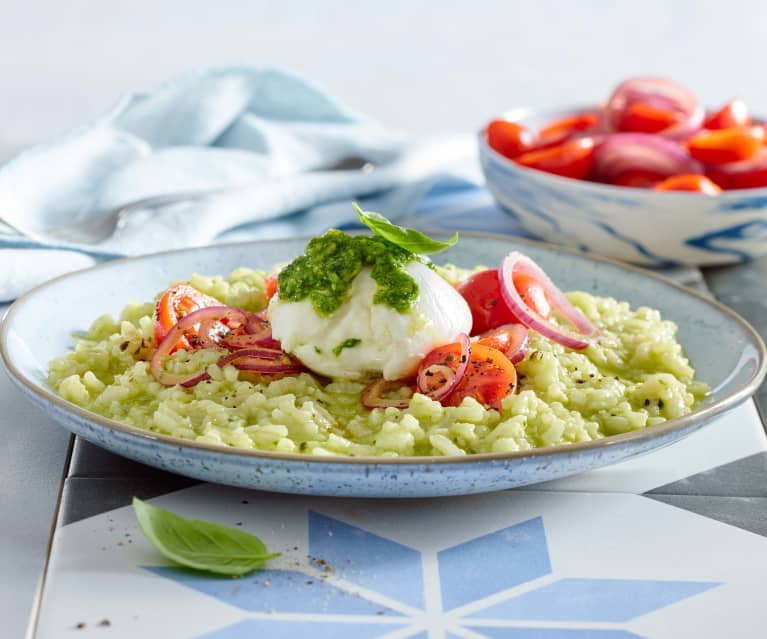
(749, 174)
(571, 159)
(482, 293)
(509, 138)
(726, 145)
(734, 113)
(689, 182)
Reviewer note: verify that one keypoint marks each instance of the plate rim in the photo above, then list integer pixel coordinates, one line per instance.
(705, 414)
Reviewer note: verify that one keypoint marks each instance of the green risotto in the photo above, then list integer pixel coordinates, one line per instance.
(633, 376)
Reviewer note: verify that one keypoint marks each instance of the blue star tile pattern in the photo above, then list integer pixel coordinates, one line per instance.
(486, 565)
(483, 572)
(610, 600)
(553, 633)
(286, 629)
(283, 591)
(368, 560)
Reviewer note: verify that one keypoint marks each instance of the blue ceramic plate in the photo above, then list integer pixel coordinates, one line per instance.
(725, 350)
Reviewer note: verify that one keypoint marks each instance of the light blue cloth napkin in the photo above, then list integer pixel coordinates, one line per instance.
(264, 134)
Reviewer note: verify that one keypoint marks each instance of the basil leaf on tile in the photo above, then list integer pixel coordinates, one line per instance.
(199, 544)
(408, 239)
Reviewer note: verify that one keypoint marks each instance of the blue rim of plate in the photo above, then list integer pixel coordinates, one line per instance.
(703, 414)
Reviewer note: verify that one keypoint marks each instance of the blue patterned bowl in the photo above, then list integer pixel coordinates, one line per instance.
(725, 350)
(637, 225)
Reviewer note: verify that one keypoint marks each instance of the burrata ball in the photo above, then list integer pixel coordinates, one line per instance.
(362, 338)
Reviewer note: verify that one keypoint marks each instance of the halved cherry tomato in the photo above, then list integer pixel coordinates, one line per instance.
(511, 339)
(562, 130)
(734, 113)
(572, 159)
(497, 338)
(645, 118)
(450, 355)
(489, 378)
(482, 293)
(178, 301)
(749, 174)
(689, 182)
(638, 178)
(509, 138)
(726, 145)
(270, 286)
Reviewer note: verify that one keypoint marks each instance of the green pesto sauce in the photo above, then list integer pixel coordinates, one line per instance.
(347, 343)
(325, 273)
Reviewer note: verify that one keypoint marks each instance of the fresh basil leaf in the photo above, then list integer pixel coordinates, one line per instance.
(408, 239)
(201, 544)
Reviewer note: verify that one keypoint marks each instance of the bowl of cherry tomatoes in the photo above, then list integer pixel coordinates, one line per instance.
(651, 176)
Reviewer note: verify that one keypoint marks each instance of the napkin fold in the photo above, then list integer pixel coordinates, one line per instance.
(267, 140)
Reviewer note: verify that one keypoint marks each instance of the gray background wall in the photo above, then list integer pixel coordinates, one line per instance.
(433, 65)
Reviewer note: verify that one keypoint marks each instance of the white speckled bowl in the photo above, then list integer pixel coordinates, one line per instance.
(637, 225)
(725, 350)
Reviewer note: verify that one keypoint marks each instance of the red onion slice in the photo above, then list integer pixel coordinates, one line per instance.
(372, 395)
(431, 366)
(430, 375)
(620, 153)
(262, 360)
(267, 366)
(213, 333)
(661, 94)
(262, 353)
(518, 262)
(261, 357)
(258, 332)
(236, 342)
(187, 381)
(517, 348)
(209, 334)
(257, 323)
(195, 319)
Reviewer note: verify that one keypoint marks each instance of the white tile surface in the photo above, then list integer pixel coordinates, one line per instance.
(97, 574)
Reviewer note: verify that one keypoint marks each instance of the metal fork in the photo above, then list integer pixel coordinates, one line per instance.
(98, 228)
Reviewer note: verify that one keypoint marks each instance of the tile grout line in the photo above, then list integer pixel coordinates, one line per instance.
(761, 414)
(34, 616)
(760, 409)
